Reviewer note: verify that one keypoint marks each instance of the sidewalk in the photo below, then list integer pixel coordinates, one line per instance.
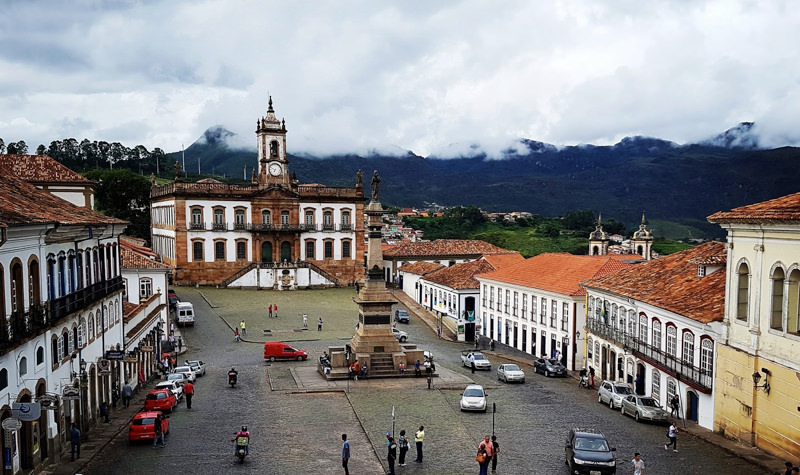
(769, 463)
(422, 313)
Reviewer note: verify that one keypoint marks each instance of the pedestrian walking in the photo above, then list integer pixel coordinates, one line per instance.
(672, 433)
(477, 342)
(495, 451)
(391, 454)
(403, 442)
(485, 454)
(75, 442)
(236, 334)
(345, 453)
(638, 464)
(275, 309)
(104, 411)
(319, 324)
(419, 436)
(789, 467)
(171, 328)
(675, 404)
(171, 341)
(305, 320)
(591, 376)
(180, 344)
(188, 391)
(158, 434)
(270, 310)
(127, 392)
(491, 344)
(243, 330)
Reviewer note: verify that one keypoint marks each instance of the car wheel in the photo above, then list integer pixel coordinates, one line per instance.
(611, 403)
(272, 359)
(403, 339)
(299, 358)
(636, 417)
(600, 399)
(622, 410)
(546, 374)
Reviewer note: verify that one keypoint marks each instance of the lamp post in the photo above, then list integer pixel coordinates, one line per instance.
(84, 387)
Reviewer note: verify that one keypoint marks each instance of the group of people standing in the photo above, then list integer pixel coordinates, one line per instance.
(488, 451)
(273, 310)
(403, 443)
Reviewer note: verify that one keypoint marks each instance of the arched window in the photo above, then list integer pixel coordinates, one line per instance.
(34, 295)
(793, 307)
(672, 341)
(655, 391)
(39, 355)
(82, 333)
(589, 349)
(3, 379)
(742, 292)
(614, 315)
(73, 339)
(241, 250)
(656, 334)
(345, 249)
(345, 219)
(219, 250)
(273, 148)
(707, 358)
(17, 289)
(90, 331)
(309, 218)
(23, 366)
(622, 319)
(117, 313)
(688, 347)
(266, 217)
(643, 328)
(197, 218)
(672, 388)
(64, 344)
(327, 220)
(238, 218)
(776, 320)
(54, 347)
(105, 318)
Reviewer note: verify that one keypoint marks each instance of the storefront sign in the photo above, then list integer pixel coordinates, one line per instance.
(12, 424)
(48, 401)
(147, 349)
(115, 354)
(104, 366)
(26, 411)
(131, 359)
(71, 393)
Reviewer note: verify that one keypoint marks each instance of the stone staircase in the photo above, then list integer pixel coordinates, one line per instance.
(381, 365)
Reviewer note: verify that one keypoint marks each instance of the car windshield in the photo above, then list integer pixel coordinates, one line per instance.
(473, 392)
(182, 369)
(553, 362)
(175, 377)
(591, 445)
(622, 390)
(479, 357)
(145, 421)
(158, 395)
(511, 367)
(648, 402)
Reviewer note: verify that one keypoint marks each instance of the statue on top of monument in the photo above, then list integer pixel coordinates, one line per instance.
(376, 183)
(358, 177)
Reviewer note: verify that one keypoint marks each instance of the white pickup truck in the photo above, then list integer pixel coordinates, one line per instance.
(468, 357)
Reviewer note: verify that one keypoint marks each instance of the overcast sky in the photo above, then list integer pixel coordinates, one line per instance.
(429, 76)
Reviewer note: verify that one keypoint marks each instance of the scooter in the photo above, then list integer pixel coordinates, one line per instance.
(232, 379)
(584, 382)
(241, 448)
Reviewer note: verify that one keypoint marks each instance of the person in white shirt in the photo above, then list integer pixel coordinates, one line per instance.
(638, 464)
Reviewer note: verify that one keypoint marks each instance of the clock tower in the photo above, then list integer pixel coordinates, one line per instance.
(273, 168)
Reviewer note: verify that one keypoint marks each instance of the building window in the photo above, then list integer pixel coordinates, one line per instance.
(310, 249)
(125, 290)
(672, 341)
(564, 316)
(197, 218)
(4, 378)
(219, 219)
(64, 347)
(54, 347)
(219, 250)
(241, 250)
(643, 328)
(597, 353)
(543, 319)
(39, 355)
(589, 349)
(81, 333)
(491, 298)
(499, 299)
(508, 297)
(776, 321)
(707, 357)
(688, 347)
(284, 218)
(266, 217)
(345, 249)
(793, 307)
(238, 218)
(553, 313)
(91, 327)
(516, 303)
(197, 250)
(309, 219)
(655, 392)
(145, 288)
(742, 292)
(345, 220)
(23, 366)
(656, 334)
(534, 299)
(632, 323)
(672, 389)
(328, 250)
(327, 220)
(614, 315)
(701, 270)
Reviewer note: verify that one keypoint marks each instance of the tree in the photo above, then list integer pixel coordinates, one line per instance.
(20, 148)
(2, 146)
(582, 220)
(41, 149)
(125, 195)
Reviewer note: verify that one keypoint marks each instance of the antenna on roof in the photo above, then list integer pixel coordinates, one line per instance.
(183, 159)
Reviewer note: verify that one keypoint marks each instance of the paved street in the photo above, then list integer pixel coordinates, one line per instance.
(297, 432)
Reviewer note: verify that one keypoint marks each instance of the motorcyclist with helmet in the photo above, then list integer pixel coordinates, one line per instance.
(242, 434)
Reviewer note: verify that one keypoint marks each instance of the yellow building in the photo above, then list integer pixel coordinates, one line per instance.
(758, 360)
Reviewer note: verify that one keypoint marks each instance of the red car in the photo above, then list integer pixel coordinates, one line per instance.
(142, 426)
(160, 400)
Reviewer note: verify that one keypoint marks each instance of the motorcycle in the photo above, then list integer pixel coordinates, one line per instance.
(241, 448)
(584, 382)
(232, 379)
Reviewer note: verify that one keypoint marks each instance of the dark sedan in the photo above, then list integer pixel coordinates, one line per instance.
(549, 367)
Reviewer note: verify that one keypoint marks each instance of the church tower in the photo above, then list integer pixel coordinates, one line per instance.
(598, 240)
(643, 241)
(273, 167)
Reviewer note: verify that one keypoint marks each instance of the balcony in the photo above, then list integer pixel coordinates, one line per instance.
(692, 375)
(82, 298)
(23, 325)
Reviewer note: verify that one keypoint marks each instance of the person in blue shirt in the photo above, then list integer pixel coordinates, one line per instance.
(345, 453)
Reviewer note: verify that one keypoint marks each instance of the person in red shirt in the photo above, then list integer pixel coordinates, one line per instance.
(188, 391)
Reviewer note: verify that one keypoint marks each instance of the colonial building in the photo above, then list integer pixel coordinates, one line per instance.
(758, 363)
(273, 232)
(655, 325)
(538, 306)
(61, 303)
(641, 243)
(47, 174)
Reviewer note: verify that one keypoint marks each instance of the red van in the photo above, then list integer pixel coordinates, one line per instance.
(276, 350)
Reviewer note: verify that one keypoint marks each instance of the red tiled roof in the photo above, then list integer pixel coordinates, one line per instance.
(23, 203)
(557, 272)
(462, 276)
(671, 283)
(132, 258)
(421, 267)
(785, 208)
(503, 260)
(128, 309)
(40, 169)
(444, 247)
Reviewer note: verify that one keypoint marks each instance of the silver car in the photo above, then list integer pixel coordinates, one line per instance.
(510, 372)
(474, 398)
(612, 393)
(643, 407)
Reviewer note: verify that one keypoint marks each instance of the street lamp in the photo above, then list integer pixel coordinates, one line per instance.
(757, 379)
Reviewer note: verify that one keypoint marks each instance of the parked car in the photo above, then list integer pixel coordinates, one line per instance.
(198, 366)
(549, 367)
(180, 378)
(587, 451)
(278, 350)
(186, 371)
(401, 336)
(481, 362)
(643, 407)
(173, 299)
(473, 398)
(141, 427)
(174, 386)
(160, 400)
(510, 372)
(401, 316)
(612, 393)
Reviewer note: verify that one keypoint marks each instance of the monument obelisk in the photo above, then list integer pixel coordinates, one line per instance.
(374, 332)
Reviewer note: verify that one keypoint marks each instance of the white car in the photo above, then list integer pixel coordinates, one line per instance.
(179, 378)
(174, 386)
(469, 357)
(510, 372)
(473, 398)
(613, 392)
(198, 366)
(400, 335)
(186, 371)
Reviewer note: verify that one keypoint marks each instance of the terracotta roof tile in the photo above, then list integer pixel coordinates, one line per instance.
(557, 272)
(129, 309)
(462, 276)
(40, 169)
(671, 283)
(23, 203)
(785, 208)
(444, 247)
(132, 257)
(503, 260)
(421, 267)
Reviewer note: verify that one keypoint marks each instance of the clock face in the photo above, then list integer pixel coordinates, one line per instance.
(274, 169)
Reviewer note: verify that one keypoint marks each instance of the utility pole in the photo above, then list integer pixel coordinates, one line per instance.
(183, 159)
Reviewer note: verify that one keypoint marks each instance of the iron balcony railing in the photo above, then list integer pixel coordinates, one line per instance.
(680, 369)
(23, 325)
(82, 298)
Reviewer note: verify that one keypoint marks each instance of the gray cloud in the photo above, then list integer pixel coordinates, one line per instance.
(432, 77)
